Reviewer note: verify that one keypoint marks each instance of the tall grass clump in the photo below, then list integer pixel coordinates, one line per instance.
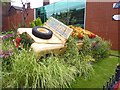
(71, 55)
(27, 72)
(58, 74)
(86, 49)
(78, 59)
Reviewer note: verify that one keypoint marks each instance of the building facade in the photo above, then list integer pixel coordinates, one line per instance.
(14, 17)
(99, 19)
(93, 16)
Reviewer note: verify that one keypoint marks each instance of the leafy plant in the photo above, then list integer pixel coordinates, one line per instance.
(36, 22)
(28, 73)
(7, 44)
(7, 50)
(6, 32)
(86, 49)
(85, 66)
(49, 72)
(101, 49)
(71, 54)
(97, 48)
(25, 41)
(60, 75)
(79, 60)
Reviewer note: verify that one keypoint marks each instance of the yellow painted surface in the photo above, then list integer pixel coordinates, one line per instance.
(56, 44)
(53, 39)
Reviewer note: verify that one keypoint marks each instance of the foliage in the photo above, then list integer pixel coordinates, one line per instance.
(7, 50)
(73, 20)
(60, 74)
(63, 17)
(25, 41)
(97, 48)
(36, 22)
(7, 43)
(85, 66)
(7, 36)
(53, 72)
(73, 17)
(79, 60)
(28, 73)
(101, 49)
(104, 69)
(7, 32)
(86, 49)
(71, 54)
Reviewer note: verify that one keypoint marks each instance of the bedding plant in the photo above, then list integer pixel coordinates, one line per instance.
(52, 71)
(24, 70)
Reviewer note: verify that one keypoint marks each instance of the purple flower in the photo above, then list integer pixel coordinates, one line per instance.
(9, 53)
(4, 37)
(1, 51)
(7, 36)
(6, 54)
(2, 55)
(10, 35)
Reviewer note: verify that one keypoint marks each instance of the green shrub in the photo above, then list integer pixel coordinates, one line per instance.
(78, 59)
(101, 49)
(36, 22)
(97, 48)
(71, 54)
(86, 49)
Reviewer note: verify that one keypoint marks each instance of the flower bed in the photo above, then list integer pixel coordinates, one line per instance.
(26, 71)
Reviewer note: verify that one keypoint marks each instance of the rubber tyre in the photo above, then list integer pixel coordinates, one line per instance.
(42, 35)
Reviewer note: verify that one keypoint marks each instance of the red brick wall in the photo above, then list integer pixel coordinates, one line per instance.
(99, 20)
(14, 21)
(30, 17)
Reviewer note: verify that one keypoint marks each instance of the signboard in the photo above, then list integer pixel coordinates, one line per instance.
(116, 5)
(59, 27)
(116, 17)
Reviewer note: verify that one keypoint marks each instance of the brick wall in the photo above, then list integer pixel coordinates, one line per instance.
(99, 20)
(14, 21)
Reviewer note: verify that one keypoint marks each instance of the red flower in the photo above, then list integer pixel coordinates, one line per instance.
(17, 40)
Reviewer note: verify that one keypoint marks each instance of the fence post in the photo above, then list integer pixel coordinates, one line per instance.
(117, 74)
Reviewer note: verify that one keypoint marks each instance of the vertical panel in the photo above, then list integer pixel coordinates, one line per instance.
(99, 20)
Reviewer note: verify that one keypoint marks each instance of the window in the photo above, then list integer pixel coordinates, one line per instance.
(67, 11)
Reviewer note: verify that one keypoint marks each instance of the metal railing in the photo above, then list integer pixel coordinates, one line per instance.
(113, 80)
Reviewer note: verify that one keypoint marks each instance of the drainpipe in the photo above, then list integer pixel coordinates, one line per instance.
(34, 13)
